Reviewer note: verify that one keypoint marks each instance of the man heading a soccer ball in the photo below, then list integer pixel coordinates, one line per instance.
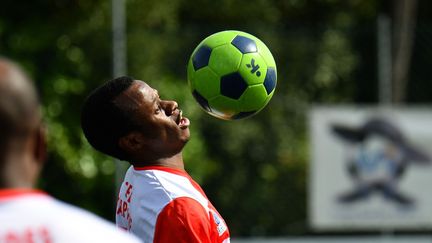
(158, 200)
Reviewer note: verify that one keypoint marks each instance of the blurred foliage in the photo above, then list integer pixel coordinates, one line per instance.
(253, 170)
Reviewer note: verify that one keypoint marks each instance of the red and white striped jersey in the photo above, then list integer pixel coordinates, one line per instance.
(30, 216)
(160, 204)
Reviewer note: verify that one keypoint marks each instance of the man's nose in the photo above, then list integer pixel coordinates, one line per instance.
(169, 106)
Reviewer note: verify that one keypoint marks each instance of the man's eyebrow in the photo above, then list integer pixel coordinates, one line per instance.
(157, 92)
(155, 97)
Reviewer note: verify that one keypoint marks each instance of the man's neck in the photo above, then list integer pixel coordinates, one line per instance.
(14, 173)
(175, 162)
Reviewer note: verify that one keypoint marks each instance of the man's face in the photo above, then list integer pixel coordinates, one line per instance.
(160, 121)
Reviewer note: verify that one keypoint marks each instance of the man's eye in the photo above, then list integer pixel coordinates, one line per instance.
(159, 110)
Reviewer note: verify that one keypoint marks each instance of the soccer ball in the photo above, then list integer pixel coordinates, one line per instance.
(232, 75)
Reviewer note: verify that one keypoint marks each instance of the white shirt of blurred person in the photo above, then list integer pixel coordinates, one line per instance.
(28, 215)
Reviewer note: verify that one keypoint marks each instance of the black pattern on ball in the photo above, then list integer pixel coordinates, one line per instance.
(201, 57)
(243, 115)
(233, 85)
(244, 44)
(201, 100)
(270, 80)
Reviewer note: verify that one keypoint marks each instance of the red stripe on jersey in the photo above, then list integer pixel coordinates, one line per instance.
(163, 168)
(7, 194)
(186, 221)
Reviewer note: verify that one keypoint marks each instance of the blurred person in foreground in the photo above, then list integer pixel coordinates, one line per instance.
(28, 215)
(158, 200)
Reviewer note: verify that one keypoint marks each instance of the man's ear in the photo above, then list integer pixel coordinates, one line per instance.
(132, 142)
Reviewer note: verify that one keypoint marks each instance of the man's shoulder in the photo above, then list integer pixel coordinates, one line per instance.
(85, 221)
(186, 207)
(76, 213)
(164, 186)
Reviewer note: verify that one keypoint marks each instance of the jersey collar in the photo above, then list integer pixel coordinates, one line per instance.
(7, 194)
(163, 168)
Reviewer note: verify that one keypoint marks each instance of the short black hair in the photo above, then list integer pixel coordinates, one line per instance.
(102, 121)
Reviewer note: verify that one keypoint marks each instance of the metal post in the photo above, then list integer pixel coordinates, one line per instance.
(384, 53)
(119, 37)
(119, 65)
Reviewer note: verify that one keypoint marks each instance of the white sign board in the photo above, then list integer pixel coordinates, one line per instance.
(370, 168)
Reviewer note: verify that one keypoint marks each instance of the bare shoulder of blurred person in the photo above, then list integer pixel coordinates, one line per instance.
(26, 214)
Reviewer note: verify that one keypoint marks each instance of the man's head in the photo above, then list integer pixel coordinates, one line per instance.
(126, 119)
(22, 142)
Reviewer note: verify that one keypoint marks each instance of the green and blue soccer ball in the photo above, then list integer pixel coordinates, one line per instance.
(232, 75)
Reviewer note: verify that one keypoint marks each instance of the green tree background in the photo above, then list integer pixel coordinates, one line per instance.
(255, 170)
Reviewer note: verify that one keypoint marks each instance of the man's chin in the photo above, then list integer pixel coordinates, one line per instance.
(186, 135)
(185, 141)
